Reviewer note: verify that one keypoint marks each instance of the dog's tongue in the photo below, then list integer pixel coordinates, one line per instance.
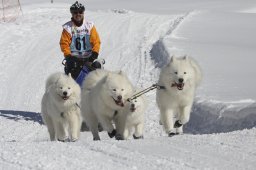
(119, 103)
(65, 98)
(133, 109)
(180, 86)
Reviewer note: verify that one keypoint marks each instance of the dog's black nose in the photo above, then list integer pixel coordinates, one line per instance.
(181, 80)
(65, 93)
(119, 97)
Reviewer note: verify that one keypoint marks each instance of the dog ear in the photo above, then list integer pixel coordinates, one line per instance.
(121, 73)
(108, 75)
(69, 75)
(57, 80)
(185, 57)
(106, 79)
(173, 59)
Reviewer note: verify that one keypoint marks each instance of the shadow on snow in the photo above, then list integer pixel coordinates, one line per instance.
(21, 115)
(209, 117)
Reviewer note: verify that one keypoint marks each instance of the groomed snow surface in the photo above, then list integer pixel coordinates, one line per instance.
(136, 37)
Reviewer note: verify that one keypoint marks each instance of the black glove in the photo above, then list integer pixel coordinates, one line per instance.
(96, 65)
(70, 64)
(93, 57)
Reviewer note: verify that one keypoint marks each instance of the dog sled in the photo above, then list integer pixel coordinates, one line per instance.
(86, 70)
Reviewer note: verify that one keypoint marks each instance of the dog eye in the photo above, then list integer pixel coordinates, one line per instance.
(185, 72)
(69, 88)
(176, 72)
(122, 89)
(114, 89)
(61, 88)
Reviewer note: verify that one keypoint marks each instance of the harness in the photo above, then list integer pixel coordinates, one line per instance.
(140, 93)
(62, 113)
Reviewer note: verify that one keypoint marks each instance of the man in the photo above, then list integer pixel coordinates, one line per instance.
(79, 42)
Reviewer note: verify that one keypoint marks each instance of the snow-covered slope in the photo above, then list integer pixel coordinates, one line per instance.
(136, 43)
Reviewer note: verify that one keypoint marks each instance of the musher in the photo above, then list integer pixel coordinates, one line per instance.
(80, 43)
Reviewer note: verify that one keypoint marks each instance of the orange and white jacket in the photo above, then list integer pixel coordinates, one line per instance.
(69, 29)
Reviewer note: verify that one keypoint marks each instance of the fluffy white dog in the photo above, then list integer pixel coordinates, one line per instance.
(59, 107)
(132, 118)
(104, 94)
(179, 80)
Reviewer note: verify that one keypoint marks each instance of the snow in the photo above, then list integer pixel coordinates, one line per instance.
(136, 36)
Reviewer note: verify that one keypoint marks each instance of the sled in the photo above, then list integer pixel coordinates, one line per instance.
(86, 70)
(82, 75)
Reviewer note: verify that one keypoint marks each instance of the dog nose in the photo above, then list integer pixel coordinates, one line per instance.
(65, 93)
(119, 97)
(181, 80)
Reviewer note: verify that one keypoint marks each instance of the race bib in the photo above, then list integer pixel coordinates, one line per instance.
(80, 45)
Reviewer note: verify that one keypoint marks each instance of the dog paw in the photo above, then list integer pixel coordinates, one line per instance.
(178, 124)
(100, 128)
(139, 137)
(112, 134)
(96, 138)
(171, 134)
(84, 127)
(119, 137)
(74, 140)
(63, 140)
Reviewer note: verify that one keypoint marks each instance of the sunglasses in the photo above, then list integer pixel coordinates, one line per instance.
(78, 12)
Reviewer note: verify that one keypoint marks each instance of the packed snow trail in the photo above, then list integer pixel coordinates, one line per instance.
(130, 41)
(25, 145)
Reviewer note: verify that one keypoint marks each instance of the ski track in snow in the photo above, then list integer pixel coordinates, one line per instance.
(28, 46)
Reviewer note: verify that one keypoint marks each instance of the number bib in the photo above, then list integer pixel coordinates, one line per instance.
(80, 45)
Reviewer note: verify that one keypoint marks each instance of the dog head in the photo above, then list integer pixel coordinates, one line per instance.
(135, 104)
(179, 72)
(118, 88)
(66, 89)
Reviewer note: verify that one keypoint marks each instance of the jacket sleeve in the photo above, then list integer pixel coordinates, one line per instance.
(65, 42)
(95, 40)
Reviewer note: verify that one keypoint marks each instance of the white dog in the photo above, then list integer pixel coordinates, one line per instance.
(179, 80)
(59, 107)
(132, 118)
(104, 94)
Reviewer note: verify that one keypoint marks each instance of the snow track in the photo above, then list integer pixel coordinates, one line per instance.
(159, 53)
